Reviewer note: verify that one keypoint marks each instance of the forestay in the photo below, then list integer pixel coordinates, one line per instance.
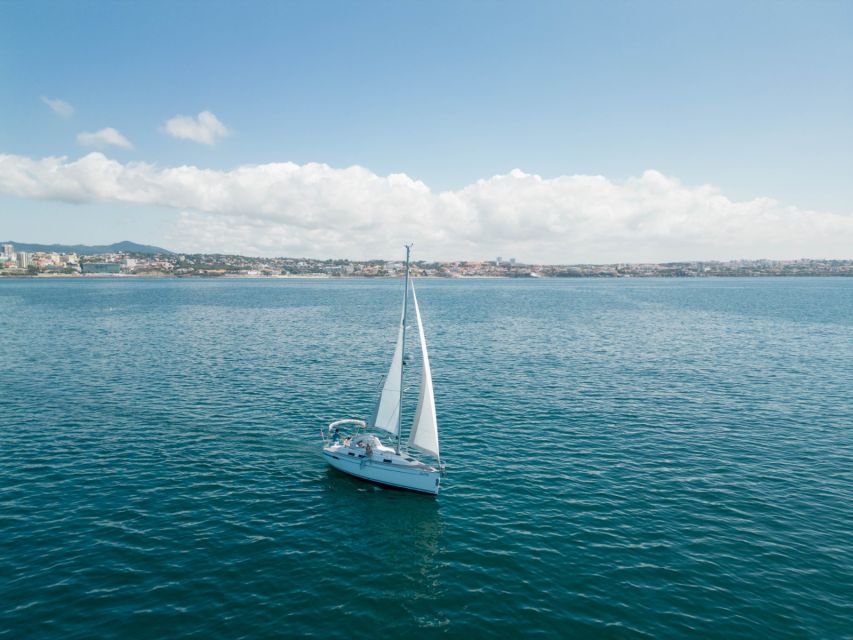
(424, 434)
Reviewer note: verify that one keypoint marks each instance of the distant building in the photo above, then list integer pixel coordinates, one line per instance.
(101, 267)
(9, 251)
(512, 261)
(498, 261)
(25, 259)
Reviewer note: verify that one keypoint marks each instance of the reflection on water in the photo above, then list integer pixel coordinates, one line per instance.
(394, 538)
(405, 526)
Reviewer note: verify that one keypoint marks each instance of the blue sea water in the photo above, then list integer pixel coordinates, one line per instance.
(626, 459)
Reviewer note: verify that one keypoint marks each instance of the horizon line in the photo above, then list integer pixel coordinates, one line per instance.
(503, 262)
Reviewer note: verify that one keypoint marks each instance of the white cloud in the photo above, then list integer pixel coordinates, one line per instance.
(59, 107)
(317, 210)
(206, 128)
(103, 138)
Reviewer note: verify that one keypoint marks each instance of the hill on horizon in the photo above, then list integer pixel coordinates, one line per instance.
(87, 250)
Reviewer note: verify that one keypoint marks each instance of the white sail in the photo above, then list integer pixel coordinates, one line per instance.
(424, 434)
(385, 415)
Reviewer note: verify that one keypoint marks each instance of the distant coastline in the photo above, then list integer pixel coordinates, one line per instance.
(144, 261)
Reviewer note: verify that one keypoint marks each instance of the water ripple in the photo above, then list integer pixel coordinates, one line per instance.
(625, 459)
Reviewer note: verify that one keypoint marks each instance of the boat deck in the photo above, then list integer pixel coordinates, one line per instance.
(380, 454)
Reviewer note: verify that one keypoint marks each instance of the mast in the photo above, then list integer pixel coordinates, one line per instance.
(405, 304)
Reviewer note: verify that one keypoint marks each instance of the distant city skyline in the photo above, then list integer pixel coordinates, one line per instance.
(553, 132)
(133, 260)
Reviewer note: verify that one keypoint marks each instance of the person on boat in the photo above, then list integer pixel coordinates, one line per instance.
(336, 436)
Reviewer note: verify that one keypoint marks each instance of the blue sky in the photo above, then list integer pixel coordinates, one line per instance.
(754, 98)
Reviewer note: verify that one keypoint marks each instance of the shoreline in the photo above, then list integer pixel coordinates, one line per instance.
(166, 276)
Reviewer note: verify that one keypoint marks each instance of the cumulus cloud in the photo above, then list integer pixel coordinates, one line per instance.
(206, 128)
(318, 210)
(103, 138)
(59, 107)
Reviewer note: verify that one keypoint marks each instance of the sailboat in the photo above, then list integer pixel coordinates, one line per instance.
(356, 446)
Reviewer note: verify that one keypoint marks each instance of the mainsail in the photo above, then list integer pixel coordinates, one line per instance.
(424, 434)
(385, 415)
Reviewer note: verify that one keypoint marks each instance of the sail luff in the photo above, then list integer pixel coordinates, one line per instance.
(424, 433)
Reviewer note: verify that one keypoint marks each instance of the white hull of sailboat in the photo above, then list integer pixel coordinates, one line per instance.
(421, 478)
